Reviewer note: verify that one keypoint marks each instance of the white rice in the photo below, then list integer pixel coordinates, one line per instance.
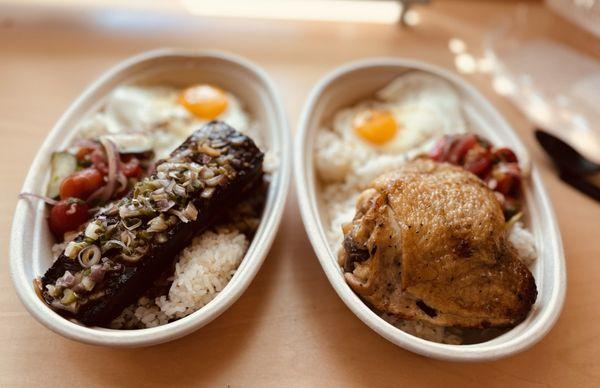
(523, 241)
(202, 270)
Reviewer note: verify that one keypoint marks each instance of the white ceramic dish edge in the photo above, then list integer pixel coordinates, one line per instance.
(26, 212)
(305, 184)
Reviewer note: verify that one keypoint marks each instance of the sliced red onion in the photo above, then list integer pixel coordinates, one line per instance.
(127, 237)
(134, 225)
(97, 195)
(122, 181)
(89, 256)
(48, 200)
(113, 158)
(112, 244)
(65, 281)
(97, 273)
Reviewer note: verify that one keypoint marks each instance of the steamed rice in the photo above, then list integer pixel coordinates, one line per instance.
(202, 270)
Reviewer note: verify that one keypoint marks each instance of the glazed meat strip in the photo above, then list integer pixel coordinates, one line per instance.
(128, 244)
(428, 243)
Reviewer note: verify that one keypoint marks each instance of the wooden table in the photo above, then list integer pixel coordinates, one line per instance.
(289, 328)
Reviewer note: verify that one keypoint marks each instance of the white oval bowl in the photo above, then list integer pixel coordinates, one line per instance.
(358, 80)
(31, 241)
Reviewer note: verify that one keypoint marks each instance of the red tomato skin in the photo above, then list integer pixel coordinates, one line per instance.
(505, 155)
(480, 165)
(81, 184)
(509, 185)
(83, 152)
(132, 168)
(67, 215)
(460, 148)
(436, 152)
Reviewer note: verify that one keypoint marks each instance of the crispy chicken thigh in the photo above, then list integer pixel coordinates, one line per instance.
(428, 242)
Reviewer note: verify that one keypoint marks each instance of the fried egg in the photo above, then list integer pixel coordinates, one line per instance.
(405, 114)
(168, 115)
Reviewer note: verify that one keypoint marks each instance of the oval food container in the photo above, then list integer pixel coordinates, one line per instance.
(350, 83)
(30, 253)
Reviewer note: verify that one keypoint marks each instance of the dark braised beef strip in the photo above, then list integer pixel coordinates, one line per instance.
(139, 236)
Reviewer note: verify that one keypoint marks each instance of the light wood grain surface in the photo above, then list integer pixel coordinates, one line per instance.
(289, 328)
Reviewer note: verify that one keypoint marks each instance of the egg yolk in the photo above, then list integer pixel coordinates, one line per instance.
(375, 126)
(204, 101)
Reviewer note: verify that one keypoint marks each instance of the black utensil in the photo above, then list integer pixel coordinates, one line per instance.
(582, 185)
(572, 166)
(566, 158)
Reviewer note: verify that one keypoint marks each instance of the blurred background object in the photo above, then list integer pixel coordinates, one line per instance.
(551, 76)
(555, 85)
(584, 13)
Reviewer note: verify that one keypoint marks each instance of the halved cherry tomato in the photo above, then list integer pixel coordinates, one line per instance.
(67, 215)
(509, 184)
(83, 152)
(436, 152)
(499, 168)
(460, 148)
(132, 168)
(81, 184)
(505, 155)
(479, 164)
(441, 150)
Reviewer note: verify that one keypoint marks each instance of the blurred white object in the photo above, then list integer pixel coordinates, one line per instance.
(375, 11)
(557, 87)
(584, 13)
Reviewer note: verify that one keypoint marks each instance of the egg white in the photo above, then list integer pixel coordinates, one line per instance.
(423, 106)
(155, 111)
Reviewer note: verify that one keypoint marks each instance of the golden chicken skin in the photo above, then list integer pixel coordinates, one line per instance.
(429, 243)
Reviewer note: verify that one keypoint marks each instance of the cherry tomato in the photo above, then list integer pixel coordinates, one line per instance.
(442, 149)
(461, 147)
(505, 155)
(67, 215)
(436, 152)
(81, 184)
(83, 152)
(509, 184)
(479, 164)
(132, 168)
